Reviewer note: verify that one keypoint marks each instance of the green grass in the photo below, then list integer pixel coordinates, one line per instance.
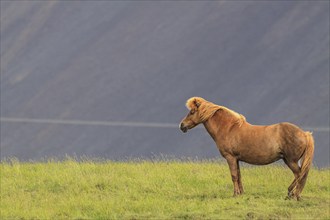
(155, 190)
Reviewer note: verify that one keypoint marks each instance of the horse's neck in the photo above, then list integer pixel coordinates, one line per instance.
(221, 121)
(211, 127)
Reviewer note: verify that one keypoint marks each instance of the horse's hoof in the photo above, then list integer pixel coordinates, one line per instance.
(291, 194)
(293, 197)
(236, 194)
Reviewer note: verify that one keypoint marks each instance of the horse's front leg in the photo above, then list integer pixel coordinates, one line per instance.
(233, 166)
(240, 184)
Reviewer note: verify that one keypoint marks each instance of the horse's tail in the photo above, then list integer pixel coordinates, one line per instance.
(307, 159)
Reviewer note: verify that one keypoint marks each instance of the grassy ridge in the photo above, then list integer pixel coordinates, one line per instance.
(140, 190)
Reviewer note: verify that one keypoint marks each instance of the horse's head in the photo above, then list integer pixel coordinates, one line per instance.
(193, 118)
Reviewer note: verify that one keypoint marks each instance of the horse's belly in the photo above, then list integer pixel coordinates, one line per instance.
(259, 155)
(260, 160)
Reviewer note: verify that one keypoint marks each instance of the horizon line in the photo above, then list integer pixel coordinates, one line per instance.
(116, 123)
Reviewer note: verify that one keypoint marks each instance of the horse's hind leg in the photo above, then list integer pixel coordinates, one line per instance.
(302, 183)
(293, 190)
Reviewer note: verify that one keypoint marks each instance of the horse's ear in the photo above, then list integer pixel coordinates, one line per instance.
(197, 103)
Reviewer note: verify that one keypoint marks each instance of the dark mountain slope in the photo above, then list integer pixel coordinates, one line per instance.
(139, 62)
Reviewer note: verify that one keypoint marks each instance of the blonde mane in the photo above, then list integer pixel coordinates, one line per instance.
(207, 109)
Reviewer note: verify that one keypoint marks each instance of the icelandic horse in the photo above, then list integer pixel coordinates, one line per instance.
(237, 140)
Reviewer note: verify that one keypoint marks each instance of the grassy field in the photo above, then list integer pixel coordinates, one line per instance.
(155, 190)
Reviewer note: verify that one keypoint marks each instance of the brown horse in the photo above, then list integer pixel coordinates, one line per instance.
(237, 140)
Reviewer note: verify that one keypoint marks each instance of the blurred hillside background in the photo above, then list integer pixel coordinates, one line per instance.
(109, 79)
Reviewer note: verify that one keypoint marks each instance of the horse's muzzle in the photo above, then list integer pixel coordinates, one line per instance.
(183, 128)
